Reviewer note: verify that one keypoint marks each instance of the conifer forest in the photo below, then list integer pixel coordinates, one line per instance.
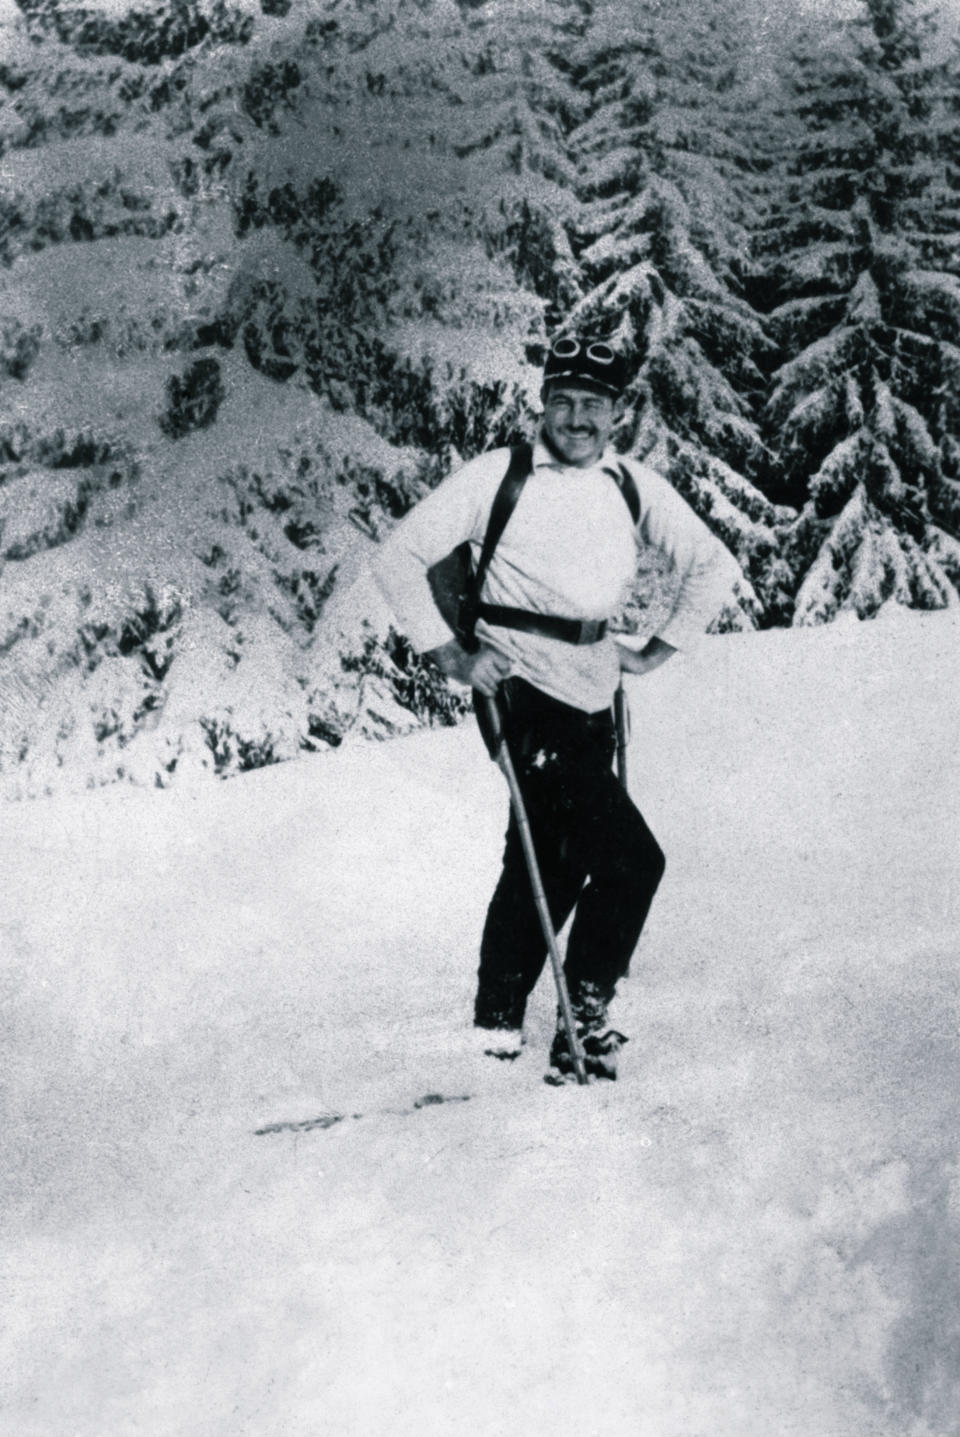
(268, 271)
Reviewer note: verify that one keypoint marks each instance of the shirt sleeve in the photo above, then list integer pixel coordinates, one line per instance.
(456, 511)
(705, 567)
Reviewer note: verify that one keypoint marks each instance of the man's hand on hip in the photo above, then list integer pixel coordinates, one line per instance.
(641, 661)
(485, 670)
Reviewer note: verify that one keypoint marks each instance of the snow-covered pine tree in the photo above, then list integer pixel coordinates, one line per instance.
(664, 251)
(403, 230)
(484, 264)
(867, 313)
(419, 169)
(521, 182)
(939, 242)
(173, 521)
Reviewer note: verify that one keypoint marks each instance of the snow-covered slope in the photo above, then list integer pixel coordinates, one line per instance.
(753, 1232)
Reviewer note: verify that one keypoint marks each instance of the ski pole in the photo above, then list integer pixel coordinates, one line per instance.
(620, 718)
(501, 753)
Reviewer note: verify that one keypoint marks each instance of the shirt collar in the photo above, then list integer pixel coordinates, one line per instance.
(543, 458)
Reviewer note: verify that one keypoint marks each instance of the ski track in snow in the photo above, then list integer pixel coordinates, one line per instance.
(753, 1232)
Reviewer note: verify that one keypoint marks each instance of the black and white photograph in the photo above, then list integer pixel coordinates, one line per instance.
(479, 718)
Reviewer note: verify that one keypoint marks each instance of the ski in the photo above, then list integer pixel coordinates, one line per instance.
(323, 1121)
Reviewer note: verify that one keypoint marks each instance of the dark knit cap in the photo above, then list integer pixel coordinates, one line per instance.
(590, 361)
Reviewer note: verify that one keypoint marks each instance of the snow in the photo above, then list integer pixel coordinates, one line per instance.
(754, 1231)
(32, 509)
(41, 170)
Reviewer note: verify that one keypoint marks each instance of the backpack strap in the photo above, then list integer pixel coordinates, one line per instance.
(504, 503)
(627, 485)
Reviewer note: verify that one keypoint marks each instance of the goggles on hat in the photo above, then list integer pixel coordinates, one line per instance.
(599, 352)
(594, 361)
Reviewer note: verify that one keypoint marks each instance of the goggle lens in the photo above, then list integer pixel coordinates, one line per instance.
(568, 348)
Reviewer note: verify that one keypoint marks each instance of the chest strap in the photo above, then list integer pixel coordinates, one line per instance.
(549, 626)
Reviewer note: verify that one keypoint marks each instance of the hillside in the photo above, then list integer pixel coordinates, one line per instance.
(753, 1231)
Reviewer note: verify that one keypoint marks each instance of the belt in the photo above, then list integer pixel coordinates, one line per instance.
(549, 626)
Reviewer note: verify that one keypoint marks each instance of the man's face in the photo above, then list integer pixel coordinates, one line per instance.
(578, 421)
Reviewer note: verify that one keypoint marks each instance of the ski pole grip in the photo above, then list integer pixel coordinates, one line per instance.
(491, 723)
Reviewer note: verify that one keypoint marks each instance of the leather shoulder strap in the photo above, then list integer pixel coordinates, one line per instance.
(504, 503)
(627, 485)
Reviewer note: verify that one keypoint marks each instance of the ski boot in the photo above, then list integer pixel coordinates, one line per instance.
(599, 1042)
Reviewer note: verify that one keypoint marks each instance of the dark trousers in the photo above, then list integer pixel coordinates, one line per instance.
(594, 851)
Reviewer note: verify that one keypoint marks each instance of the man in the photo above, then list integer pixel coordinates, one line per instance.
(569, 549)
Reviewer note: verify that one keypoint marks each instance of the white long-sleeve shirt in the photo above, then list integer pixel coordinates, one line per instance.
(570, 548)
